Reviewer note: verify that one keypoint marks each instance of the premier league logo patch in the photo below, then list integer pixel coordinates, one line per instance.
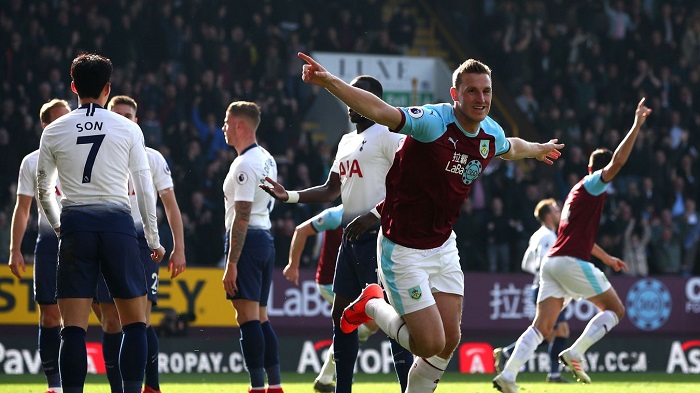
(484, 147)
(241, 178)
(415, 293)
(415, 112)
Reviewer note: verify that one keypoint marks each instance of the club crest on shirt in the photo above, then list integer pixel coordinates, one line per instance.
(415, 293)
(484, 147)
(415, 112)
(241, 178)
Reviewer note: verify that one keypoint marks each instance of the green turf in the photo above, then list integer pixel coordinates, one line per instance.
(451, 383)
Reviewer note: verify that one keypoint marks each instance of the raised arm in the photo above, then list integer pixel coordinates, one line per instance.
(361, 101)
(623, 150)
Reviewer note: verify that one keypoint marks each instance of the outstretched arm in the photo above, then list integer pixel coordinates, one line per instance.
(545, 152)
(323, 193)
(622, 153)
(361, 101)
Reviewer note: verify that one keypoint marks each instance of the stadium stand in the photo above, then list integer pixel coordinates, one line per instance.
(571, 69)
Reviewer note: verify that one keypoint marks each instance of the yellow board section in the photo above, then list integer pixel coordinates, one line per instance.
(197, 291)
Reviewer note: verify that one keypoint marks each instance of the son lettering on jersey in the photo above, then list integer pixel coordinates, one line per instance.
(349, 169)
(89, 126)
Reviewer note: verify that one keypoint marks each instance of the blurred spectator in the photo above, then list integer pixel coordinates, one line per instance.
(634, 250)
(498, 237)
(402, 27)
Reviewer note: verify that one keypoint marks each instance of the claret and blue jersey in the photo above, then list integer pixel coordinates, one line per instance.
(442, 160)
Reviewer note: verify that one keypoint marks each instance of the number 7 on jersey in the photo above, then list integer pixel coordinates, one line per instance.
(96, 141)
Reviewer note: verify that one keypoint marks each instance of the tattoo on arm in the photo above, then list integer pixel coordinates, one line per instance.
(241, 217)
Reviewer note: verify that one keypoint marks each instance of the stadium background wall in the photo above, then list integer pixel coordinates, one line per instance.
(666, 309)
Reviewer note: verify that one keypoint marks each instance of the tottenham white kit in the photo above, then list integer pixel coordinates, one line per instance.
(94, 150)
(247, 171)
(27, 185)
(362, 162)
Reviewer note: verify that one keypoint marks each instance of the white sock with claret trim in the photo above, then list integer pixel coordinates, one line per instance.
(389, 321)
(328, 368)
(425, 374)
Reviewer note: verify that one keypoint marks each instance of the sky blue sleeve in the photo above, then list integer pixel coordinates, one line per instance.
(328, 219)
(594, 183)
(424, 123)
(502, 143)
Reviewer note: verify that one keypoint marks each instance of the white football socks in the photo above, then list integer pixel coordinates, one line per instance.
(597, 327)
(425, 374)
(389, 321)
(328, 368)
(524, 348)
(363, 333)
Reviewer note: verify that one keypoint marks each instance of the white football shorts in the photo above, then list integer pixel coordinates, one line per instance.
(410, 276)
(570, 278)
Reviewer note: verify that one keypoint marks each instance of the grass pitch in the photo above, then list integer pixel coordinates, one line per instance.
(451, 383)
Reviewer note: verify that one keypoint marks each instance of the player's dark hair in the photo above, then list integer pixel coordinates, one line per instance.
(599, 159)
(373, 85)
(45, 112)
(90, 73)
(247, 109)
(543, 208)
(122, 100)
(471, 66)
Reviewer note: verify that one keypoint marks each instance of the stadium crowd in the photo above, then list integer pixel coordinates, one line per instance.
(570, 68)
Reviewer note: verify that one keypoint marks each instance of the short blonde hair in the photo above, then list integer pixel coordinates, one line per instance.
(543, 208)
(247, 109)
(125, 100)
(45, 112)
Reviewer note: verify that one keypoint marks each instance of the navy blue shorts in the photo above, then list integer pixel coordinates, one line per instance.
(83, 254)
(151, 274)
(45, 261)
(254, 267)
(560, 318)
(356, 265)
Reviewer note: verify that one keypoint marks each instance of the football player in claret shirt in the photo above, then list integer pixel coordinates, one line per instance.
(566, 272)
(446, 150)
(94, 152)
